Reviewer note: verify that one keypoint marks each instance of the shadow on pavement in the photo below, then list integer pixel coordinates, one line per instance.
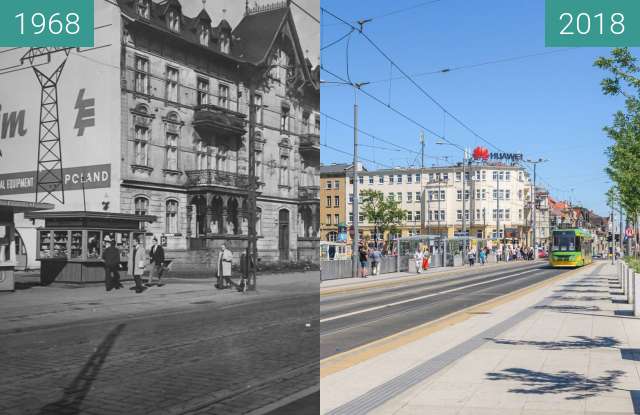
(19, 285)
(569, 290)
(540, 383)
(582, 298)
(580, 342)
(563, 307)
(78, 389)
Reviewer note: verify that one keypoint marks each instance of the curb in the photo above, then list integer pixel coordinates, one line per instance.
(401, 280)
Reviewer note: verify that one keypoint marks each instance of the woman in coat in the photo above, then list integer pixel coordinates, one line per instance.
(137, 264)
(225, 259)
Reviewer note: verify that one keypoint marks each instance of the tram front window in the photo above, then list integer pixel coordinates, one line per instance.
(565, 241)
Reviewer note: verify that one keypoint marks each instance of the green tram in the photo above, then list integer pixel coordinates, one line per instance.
(571, 248)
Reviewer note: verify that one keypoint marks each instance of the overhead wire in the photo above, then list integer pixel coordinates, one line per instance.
(418, 86)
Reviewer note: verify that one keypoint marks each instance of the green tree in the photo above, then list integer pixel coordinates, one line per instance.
(386, 214)
(624, 152)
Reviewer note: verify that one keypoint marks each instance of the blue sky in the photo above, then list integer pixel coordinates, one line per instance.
(548, 106)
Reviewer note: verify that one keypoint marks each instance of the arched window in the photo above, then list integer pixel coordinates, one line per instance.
(172, 216)
(141, 206)
(143, 8)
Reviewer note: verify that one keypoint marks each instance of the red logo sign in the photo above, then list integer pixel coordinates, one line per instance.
(481, 153)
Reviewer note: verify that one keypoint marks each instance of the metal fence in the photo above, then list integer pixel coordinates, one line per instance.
(336, 269)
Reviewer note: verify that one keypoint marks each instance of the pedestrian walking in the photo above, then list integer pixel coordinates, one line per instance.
(225, 260)
(425, 259)
(376, 257)
(417, 257)
(137, 264)
(363, 261)
(472, 257)
(482, 256)
(332, 252)
(111, 258)
(156, 257)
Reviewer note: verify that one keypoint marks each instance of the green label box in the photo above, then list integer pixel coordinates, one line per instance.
(611, 23)
(43, 23)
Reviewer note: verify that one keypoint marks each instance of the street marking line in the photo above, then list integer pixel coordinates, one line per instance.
(353, 357)
(422, 297)
(391, 282)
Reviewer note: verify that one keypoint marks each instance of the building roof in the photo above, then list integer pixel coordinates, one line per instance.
(256, 33)
(334, 168)
(18, 206)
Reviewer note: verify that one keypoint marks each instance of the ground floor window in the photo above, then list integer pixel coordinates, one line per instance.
(172, 216)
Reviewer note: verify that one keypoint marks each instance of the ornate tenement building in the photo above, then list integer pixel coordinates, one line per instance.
(184, 129)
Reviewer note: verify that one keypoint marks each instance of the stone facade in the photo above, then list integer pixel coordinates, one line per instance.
(184, 136)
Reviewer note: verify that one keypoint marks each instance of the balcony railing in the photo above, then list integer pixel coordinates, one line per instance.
(216, 178)
(309, 192)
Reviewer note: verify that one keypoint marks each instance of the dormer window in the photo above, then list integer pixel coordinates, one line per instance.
(224, 44)
(144, 9)
(173, 21)
(204, 35)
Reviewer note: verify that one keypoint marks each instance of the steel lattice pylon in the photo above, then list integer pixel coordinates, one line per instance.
(49, 179)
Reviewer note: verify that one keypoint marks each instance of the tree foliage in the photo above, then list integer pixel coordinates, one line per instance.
(386, 214)
(624, 152)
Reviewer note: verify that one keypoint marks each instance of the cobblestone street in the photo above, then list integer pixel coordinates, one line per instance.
(229, 354)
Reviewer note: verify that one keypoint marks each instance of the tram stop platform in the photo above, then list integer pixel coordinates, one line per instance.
(567, 346)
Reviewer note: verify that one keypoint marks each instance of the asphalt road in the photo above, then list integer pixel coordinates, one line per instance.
(349, 320)
(219, 358)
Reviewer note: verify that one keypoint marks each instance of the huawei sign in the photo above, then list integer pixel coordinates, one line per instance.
(481, 153)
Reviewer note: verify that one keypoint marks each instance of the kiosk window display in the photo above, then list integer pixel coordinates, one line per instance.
(9, 236)
(71, 243)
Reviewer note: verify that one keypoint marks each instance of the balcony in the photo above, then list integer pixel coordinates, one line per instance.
(216, 178)
(309, 193)
(310, 146)
(210, 120)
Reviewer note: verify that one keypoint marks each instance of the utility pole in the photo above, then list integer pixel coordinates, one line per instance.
(356, 199)
(533, 203)
(251, 255)
(422, 201)
(620, 230)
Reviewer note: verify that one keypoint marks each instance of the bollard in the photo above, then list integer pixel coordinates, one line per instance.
(623, 279)
(630, 289)
(636, 294)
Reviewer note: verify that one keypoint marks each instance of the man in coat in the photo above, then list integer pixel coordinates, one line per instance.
(137, 263)
(156, 255)
(111, 258)
(225, 259)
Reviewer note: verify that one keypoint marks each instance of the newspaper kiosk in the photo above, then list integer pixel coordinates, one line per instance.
(70, 245)
(8, 235)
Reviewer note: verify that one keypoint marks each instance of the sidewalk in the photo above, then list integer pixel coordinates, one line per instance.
(568, 347)
(36, 306)
(337, 285)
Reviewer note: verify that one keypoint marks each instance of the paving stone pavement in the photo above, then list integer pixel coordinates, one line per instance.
(218, 357)
(578, 354)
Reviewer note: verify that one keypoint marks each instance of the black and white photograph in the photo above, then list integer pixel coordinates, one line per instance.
(159, 213)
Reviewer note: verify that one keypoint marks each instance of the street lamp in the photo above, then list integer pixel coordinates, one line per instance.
(533, 202)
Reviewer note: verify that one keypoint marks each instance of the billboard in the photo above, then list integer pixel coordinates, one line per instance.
(85, 162)
(87, 93)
